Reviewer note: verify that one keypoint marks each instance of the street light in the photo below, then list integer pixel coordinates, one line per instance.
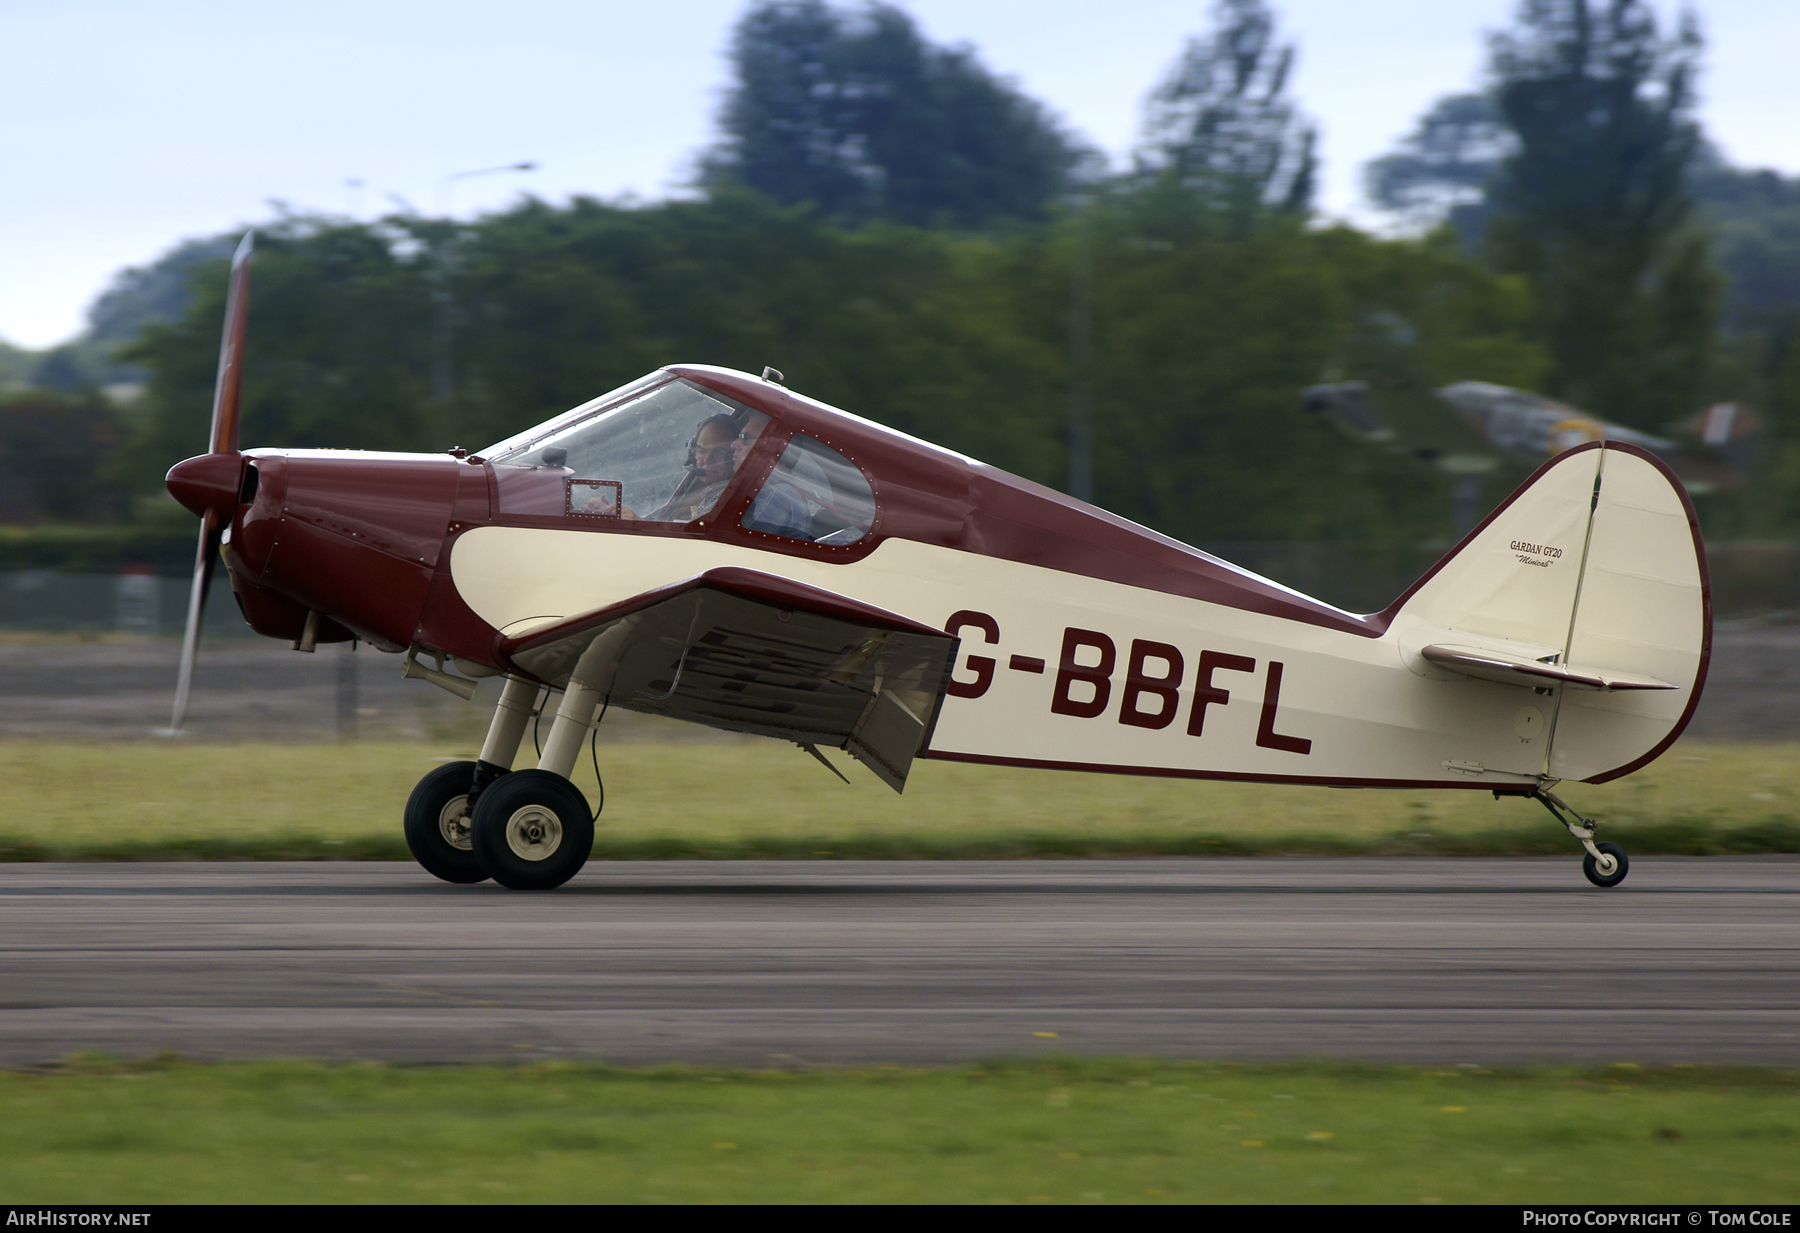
(1081, 355)
(442, 382)
(448, 184)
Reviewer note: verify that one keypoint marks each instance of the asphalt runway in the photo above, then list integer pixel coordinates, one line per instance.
(781, 964)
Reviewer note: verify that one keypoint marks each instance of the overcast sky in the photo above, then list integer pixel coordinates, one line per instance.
(129, 126)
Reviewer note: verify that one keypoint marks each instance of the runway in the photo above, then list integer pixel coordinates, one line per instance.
(780, 964)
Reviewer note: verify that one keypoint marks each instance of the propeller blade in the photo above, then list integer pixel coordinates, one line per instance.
(228, 391)
(223, 439)
(206, 556)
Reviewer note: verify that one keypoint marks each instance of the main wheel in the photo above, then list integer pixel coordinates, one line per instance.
(1598, 871)
(437, 824)
(531, 830)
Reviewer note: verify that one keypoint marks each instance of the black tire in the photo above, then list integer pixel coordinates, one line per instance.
(1591, 867)
(532, 830)
(437, 819)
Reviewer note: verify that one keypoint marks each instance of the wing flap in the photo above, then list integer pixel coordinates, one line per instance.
(750, 652)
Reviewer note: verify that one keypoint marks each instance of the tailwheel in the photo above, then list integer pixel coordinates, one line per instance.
(1605, 863)
(531, 830)
(1606, 866)
(437, 824)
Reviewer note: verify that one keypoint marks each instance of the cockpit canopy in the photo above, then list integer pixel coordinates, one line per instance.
(671, 449)
(667, 449)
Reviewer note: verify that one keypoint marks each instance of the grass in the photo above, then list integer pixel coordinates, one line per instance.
(1042, 1131)
(668, 798)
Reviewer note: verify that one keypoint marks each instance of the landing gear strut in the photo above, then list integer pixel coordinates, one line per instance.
(1605, 863)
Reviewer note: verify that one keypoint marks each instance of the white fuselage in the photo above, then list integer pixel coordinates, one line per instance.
(1348, 708)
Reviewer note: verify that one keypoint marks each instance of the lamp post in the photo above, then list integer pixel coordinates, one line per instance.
(447, 185)
(443, 388)
(1081, 355)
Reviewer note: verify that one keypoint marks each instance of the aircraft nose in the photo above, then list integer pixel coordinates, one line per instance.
(209, 481)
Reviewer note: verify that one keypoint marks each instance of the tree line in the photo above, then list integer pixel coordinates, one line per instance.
(1201, 342)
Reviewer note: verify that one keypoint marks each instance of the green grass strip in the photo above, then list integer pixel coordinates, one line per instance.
(733, 799)
(1044, 1131)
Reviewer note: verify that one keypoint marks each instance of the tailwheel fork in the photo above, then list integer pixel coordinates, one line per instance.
(1605, 863)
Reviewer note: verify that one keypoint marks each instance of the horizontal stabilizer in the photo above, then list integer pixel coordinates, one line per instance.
(1487, 665)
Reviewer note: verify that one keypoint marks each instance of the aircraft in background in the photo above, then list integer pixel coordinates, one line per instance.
(1712, 450)
(1532, 426)
(712, 546)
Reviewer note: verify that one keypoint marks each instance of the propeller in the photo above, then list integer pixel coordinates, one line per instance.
(200, 482)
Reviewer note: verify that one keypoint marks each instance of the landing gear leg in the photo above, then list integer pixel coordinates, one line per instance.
(438, 811)
(1605, 863)
(518, 702)
(532, 830)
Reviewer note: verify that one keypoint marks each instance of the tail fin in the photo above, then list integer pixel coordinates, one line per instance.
(1588, 584)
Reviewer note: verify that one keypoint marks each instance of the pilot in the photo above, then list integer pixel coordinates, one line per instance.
(718, 448)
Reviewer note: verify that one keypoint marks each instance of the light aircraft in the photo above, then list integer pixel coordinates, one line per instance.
(1533, 426)
(713, 546)
(1712, 450)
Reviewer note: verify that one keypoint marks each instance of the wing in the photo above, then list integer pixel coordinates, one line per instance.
(752, 652)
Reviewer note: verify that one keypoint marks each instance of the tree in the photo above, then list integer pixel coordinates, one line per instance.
(1219, 126)
(1448, 170)
(16, 364)
(1202, 344)
(1754, 220)
(1445, 168)
(337, 352)
(855, 113)
(1593, 208)
(53, 449)
(136, 298)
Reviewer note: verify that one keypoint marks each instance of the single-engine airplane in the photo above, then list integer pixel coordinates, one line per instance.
(1533, 426)
(1713, 450)
(713, 546)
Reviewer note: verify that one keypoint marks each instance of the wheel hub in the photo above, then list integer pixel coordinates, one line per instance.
(453, 823)
(534, 833)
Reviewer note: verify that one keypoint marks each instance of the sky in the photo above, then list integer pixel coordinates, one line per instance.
(126, 127)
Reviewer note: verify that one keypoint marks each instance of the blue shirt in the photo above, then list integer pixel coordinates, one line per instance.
(780, 509)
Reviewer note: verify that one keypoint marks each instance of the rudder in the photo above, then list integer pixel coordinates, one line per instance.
(1645, 607)
(1587, 585)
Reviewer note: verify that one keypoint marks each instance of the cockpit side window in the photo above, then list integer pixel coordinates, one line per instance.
(814, 494)
(666, 455)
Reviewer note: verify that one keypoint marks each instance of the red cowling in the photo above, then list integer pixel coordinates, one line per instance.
(353, 537)
(210, 481)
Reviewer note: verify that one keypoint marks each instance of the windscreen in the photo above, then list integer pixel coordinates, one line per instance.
(672, 450)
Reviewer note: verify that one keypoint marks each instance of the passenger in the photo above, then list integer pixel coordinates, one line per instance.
(781, 509)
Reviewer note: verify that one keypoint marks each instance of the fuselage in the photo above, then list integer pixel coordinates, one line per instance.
(1086, 641)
